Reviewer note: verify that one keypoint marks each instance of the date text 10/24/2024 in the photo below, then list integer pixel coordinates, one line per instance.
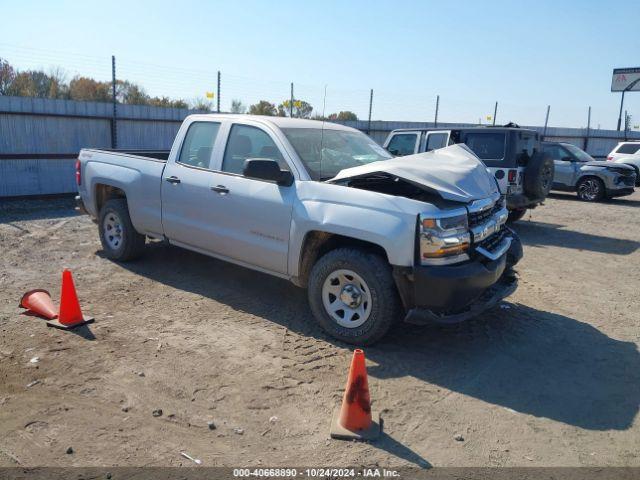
(315, 472)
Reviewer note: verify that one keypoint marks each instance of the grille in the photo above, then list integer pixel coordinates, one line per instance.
(478, 218)
(492, 241)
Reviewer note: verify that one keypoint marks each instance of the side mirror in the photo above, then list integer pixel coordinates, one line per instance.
(267, 169)
(393, 151)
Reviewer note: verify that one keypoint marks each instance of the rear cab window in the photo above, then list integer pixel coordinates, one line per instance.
(403, 144)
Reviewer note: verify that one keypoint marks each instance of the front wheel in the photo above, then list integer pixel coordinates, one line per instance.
(590, 189)
(353, 296)
(120, 240)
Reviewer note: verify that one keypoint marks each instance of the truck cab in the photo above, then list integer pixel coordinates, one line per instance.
(513, 155)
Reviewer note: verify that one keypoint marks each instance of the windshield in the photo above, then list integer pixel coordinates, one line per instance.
(580, 154)
(326, 152)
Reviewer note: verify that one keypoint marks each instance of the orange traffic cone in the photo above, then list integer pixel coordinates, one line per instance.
(39, 302)
(354, 420)
(70, 315)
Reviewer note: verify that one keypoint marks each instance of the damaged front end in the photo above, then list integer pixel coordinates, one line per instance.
(464, 252)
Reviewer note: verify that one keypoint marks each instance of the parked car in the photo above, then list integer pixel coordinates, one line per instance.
(512, 154)
(372, 238)
(577, 171)
(629, 154)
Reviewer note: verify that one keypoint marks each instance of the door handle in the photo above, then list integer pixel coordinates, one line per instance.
(173, 180)
(221, 189)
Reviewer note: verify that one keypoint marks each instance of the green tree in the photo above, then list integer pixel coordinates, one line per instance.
(263, 107)
(7, 76)
(238, 107)
(347, 115)
(201, 104)
(301, 109)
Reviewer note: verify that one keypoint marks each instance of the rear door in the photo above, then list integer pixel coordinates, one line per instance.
(186, 180)
(435, 140)
(403, 143)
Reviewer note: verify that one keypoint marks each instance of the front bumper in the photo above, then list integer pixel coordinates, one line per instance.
(620, 192)
(455, 293)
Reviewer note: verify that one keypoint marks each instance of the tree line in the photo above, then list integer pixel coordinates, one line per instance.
(37, 83)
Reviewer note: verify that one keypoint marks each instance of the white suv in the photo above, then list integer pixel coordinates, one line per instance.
(628, 153)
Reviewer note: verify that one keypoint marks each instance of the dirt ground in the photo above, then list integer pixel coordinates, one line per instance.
(549, 378)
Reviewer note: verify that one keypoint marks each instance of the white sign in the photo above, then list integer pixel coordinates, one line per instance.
(624, 77)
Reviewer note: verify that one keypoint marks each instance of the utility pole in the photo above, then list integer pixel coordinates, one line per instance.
(546, 121)
(218, 109)
(495, 112)
(626, 124)
(370, 108)
(291, 102)
(620, 114)
(114, 121)
(586, 138)
(435, 121)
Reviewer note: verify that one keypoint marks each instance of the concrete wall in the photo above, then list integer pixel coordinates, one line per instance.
(40, 138)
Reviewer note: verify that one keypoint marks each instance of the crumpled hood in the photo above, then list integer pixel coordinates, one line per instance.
(454, 172)
(603, 163)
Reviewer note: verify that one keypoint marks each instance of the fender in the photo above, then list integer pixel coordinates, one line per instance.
(387, 221)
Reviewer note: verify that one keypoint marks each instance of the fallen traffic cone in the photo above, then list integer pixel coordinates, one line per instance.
(354, 420)
(70, 315)
(39, 302)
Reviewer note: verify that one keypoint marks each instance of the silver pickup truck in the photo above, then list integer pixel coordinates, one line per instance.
(373, 238)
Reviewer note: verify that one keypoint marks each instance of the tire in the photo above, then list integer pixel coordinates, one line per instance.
(538, 176)
(590, 189)
(379, 297)
(119, 239)
(515, 215)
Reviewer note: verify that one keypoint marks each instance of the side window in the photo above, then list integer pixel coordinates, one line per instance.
(249, 142)
(436, 140)
(629, 148)
(402, 144)
(555, 152)
(198, 144)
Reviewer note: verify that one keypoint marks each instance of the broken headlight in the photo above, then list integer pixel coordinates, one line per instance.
(443, 240)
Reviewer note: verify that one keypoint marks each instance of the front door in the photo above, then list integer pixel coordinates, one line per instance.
(253, 216)
(565, 166)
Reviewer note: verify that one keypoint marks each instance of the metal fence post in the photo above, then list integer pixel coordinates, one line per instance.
(495, 112)
(370, 108)
(546, 121)
(435, 121)
(218, 109)
(114, 118)
(586, 138)
(291, 102)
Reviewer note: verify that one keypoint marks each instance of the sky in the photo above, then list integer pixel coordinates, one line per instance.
(524, 55)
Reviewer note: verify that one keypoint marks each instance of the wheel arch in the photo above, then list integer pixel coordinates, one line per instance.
(317, 243)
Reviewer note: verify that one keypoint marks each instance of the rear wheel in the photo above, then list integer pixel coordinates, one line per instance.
(590, 189)
(353, 296)
(120, 241)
